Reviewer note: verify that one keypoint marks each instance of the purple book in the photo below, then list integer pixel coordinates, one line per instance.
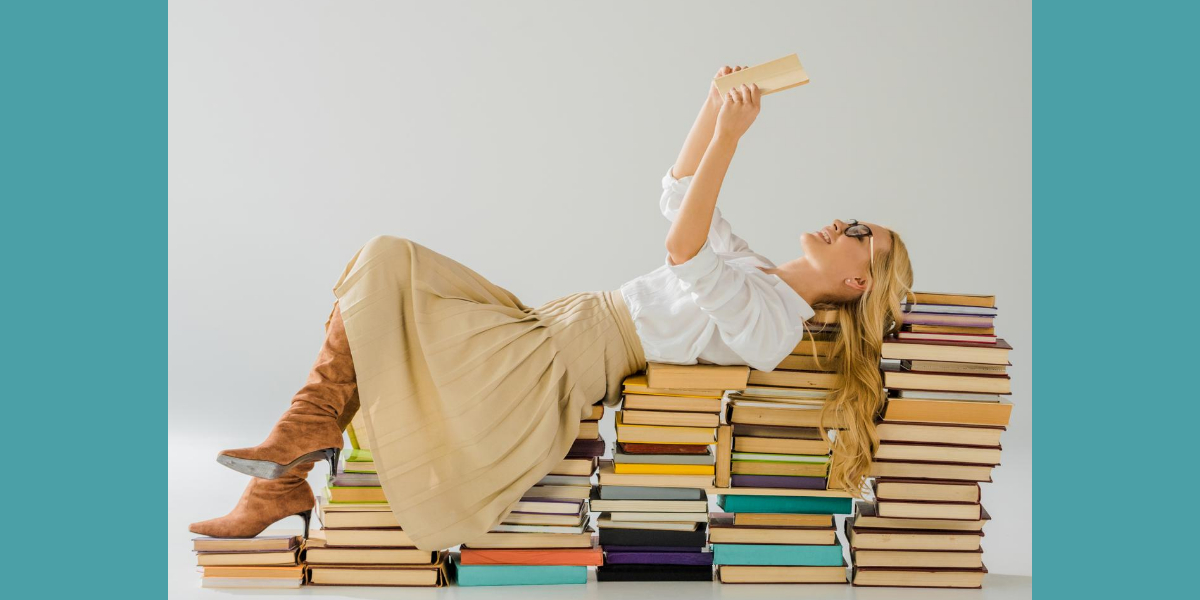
(354, 480)
(779, 481)
(611, 548)
(586, 448)
(657, 558)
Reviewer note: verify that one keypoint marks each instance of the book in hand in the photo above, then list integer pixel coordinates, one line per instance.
(698, 376)
(770, 77)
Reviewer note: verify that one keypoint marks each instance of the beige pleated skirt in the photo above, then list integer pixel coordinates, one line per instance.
(470, 397)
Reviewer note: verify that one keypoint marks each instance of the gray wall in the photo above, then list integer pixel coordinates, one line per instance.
(528, 144)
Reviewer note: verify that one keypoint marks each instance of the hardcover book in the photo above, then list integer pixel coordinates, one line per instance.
(629, 572)
(696, 377)
(778, 554)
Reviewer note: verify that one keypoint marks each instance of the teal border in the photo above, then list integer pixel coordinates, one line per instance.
(83, 190)
(1115, 243)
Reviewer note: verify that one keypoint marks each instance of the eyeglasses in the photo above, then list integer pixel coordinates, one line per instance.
(855, 229)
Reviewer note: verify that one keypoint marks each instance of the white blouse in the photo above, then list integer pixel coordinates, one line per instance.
(717, 307)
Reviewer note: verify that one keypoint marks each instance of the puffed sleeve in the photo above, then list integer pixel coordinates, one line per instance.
(755, 317)
(720, 232)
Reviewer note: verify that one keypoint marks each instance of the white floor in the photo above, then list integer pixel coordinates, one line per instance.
(198, 488)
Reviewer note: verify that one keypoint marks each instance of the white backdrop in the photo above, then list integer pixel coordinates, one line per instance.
(527, 140)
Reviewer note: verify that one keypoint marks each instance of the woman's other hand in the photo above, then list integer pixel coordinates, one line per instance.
(739, 108)
(714, 96)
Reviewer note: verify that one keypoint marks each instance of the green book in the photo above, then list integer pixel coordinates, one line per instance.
(777, 554)
(469, 575)
(360, 455)
(808, 505)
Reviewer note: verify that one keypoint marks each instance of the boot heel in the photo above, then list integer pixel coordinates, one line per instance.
(307, 516)
(331, 455)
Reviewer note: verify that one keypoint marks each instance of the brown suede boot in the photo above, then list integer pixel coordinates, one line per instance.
(264, 502)
(308, 431)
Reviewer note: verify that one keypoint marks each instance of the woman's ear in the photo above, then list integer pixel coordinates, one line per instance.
(857, 284)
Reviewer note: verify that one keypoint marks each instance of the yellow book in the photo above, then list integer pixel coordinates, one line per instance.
(657, 434)
(651, 468)
(610, 477)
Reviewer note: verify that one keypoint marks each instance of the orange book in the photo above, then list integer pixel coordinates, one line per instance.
(573, 557)
(947, 411)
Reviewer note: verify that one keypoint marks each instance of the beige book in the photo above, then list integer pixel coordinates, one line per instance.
(906, 470)
(940, 434)
(575, 466)
(682, 419)
(569, 492)
(642, 506)
(865, 517)
(533, 540)
(831, 493)
(813, 347)
(938, 453)
(369, 556)
(588, 430)
(779, 445)
(932, 559)
(280, 572)
(773, 574)
(912, 539)
(798, 362)
(671, 403)
(883, 576)
(637, 384)
(774, 76)
(606, 522)
(795, 379)
(906, 509)
(720, 534)
(246, 559)
(696, 517)
(515, 518)
(724, 455)
(335, 538)
(358, 520)
(655, 434)
(938, 491)
(699, 377)
(373, 575)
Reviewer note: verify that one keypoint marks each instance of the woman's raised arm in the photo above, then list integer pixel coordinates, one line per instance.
(702, 130)
(690, 228)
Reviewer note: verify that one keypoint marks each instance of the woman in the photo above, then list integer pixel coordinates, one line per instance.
(470, 397)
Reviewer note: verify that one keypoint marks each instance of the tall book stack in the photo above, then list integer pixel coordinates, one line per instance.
(360, 542)
(947, 382)
(546, 538)
(652, 500)
(775, 436)
(270, 560)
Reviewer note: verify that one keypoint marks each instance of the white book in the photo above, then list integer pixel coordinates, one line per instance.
(507, 528)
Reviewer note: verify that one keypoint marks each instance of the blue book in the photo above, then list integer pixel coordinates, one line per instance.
(518, 574)
(777, 554)
(809, 505)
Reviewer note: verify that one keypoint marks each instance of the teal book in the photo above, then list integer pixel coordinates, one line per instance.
(469, 575)
(777, 554)
(809, 505)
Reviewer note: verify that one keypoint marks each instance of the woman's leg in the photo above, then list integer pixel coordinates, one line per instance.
(331, 392)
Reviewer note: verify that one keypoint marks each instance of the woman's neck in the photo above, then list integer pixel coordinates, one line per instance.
(802, 277)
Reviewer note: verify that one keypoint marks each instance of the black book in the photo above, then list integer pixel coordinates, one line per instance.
(654, 573)
(653, 537)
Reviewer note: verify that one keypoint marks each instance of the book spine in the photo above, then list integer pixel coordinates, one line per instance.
(724, 453)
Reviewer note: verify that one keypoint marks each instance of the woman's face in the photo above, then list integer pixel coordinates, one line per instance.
(840, 257)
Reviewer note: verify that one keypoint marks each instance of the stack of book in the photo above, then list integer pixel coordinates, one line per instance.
(652, 500)
(774, 423)
(360, 542)
(270, 560)
(772, 538)
(947, 381)
(546, 538)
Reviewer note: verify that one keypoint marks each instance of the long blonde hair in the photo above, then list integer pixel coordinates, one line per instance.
(857, 396)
